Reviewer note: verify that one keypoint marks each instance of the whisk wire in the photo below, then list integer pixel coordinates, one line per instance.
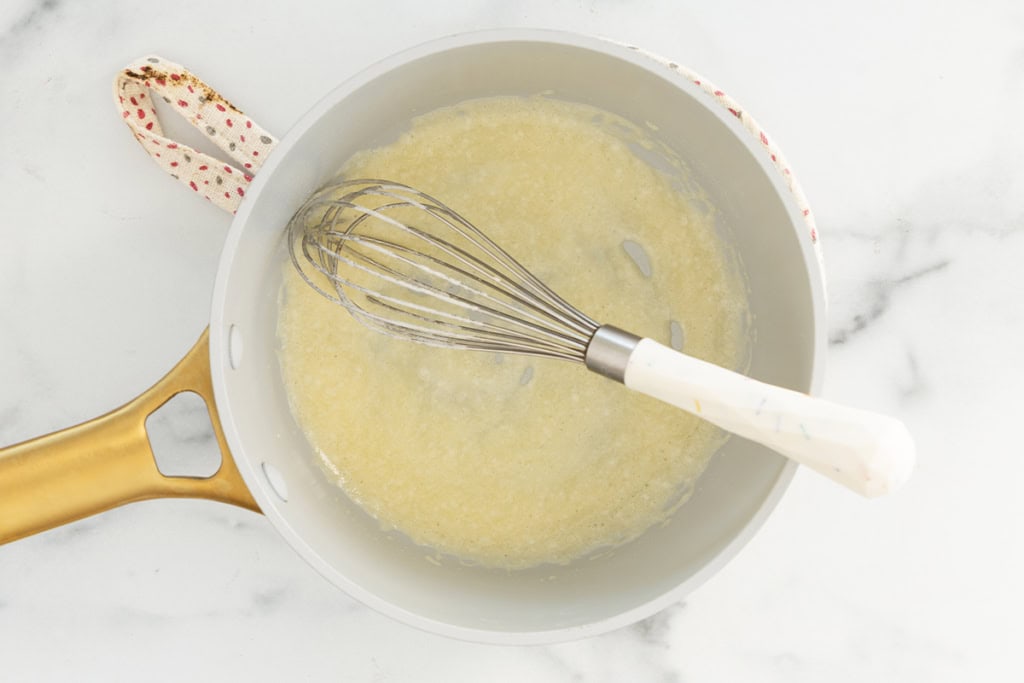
(446, 284)
(452, 322)
(519, 275)
(495, 305)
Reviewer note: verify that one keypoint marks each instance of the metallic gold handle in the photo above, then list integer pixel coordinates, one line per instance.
(106, 462)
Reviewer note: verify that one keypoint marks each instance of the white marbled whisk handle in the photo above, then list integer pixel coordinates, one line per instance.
(869, 453)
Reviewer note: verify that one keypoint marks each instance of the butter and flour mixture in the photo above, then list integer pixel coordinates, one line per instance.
(512, 461)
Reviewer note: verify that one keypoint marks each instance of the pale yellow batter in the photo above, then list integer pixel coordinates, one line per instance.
(511, 461)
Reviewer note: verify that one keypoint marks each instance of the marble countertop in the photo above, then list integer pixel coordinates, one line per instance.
(902, 121)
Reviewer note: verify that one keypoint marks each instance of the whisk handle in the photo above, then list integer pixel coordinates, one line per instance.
(869, 453)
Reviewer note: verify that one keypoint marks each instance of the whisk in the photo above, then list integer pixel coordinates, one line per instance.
(404, 264)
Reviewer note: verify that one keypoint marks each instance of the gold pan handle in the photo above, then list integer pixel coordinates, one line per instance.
(108, 461)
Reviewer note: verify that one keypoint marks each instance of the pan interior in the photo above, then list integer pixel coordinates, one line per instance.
(384, 570)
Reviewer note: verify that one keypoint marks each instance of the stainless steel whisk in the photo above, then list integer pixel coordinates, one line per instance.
(403, 263)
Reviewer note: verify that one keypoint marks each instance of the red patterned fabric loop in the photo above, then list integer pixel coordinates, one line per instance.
(206, 110)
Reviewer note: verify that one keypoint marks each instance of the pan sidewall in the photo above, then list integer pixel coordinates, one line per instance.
(380, 568)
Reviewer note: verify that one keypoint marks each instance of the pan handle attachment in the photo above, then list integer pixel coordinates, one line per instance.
(108, 461)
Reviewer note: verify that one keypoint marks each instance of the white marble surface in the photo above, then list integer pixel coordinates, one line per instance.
(903, 122)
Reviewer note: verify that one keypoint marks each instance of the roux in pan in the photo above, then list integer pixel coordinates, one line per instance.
(511, 461)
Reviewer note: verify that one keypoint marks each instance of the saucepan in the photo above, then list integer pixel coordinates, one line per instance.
(267, 465)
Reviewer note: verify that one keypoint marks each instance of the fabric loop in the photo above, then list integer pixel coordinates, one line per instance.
(224, 124)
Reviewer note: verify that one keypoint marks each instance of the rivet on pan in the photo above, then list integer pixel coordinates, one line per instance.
(234, 347)
(276, 481)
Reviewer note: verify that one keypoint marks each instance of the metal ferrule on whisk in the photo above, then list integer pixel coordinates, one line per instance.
(608, 352)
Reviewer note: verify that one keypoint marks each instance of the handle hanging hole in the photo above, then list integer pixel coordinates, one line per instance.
(182, 438)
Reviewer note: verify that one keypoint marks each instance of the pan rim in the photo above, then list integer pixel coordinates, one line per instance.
(220, 330)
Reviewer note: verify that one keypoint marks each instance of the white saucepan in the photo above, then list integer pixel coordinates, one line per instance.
(267, 464)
